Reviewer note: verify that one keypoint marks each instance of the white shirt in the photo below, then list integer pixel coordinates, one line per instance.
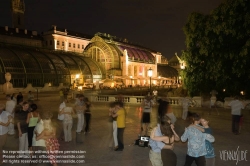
(10, 105)
(39, 128)
(62, 105)
(4, 119)
(236, 107)
(185, 102)
(148, 105)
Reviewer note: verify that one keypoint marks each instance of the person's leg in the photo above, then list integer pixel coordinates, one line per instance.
(184, 113)
(233, 124)
(87, 118)
(65, 131)
(21, 145)
(155, 158)
(30, 136)
(120, 132)
(115, 133)
(69, 131)
(200, 161)
(79, 121)
(3, 139)
(210, 161)
(189, 160)
(26, 145)
(237, 124)
(82, 121)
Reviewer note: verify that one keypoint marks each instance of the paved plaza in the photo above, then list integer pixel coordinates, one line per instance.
(97, 144)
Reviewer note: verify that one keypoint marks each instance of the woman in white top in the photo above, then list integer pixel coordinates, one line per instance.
(32, 120)
(67, 121)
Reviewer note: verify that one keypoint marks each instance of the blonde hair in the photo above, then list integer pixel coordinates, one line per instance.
(47, 124)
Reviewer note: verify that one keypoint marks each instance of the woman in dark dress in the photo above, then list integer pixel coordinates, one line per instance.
(168, 157)
(87, 114)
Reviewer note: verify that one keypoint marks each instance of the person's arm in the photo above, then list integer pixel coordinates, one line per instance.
(198, 127)
(157, 138)
(115, 113)
(209, 137)
(39, 136)
(28, 118)
(6, 124)
(19, 129)
(184, 137)
(176, 137)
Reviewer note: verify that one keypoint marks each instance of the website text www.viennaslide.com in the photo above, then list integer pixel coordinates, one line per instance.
(74, 156)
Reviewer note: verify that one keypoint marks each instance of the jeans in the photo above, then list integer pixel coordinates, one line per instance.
(200, 161)
(120, 132)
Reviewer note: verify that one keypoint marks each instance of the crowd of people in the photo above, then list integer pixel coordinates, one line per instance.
(34, 128)
(163, 136)
(36, 131)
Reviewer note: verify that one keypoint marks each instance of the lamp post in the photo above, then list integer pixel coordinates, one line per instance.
(131, 80)
(150, 73)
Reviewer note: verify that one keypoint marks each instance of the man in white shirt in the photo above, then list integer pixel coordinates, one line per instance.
(236, 107)
(5, 119)
(10, 106)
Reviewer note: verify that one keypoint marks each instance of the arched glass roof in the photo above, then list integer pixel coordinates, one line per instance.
(105, 54)
(30, 65)
(137, 53)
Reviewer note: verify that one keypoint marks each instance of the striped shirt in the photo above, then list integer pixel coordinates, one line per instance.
(236, 107)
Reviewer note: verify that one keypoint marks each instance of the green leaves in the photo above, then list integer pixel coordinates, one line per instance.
(218, 49)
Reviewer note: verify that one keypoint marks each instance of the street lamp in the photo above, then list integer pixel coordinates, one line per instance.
(150, 73)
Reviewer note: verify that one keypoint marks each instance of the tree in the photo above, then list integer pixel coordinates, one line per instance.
(217, 51)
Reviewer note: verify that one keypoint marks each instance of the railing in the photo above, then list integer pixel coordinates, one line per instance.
(174, 101)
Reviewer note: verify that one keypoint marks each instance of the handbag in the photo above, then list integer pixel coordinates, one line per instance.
(60, 117)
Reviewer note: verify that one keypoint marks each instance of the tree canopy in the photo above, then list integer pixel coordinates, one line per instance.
(217, 51)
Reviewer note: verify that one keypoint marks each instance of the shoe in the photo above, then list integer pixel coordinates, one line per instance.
(118, 149)
(115, 148)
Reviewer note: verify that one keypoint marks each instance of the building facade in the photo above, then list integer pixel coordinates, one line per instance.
(63, 56)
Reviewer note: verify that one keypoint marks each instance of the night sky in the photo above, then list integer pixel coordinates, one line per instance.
(156, 24)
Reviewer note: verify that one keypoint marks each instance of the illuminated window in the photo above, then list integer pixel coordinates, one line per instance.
(69, 44)
(58, 43)
(63, 43)
(74, 45)
(78, 45)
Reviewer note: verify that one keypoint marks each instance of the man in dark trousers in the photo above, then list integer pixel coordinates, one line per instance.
(236, 107)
